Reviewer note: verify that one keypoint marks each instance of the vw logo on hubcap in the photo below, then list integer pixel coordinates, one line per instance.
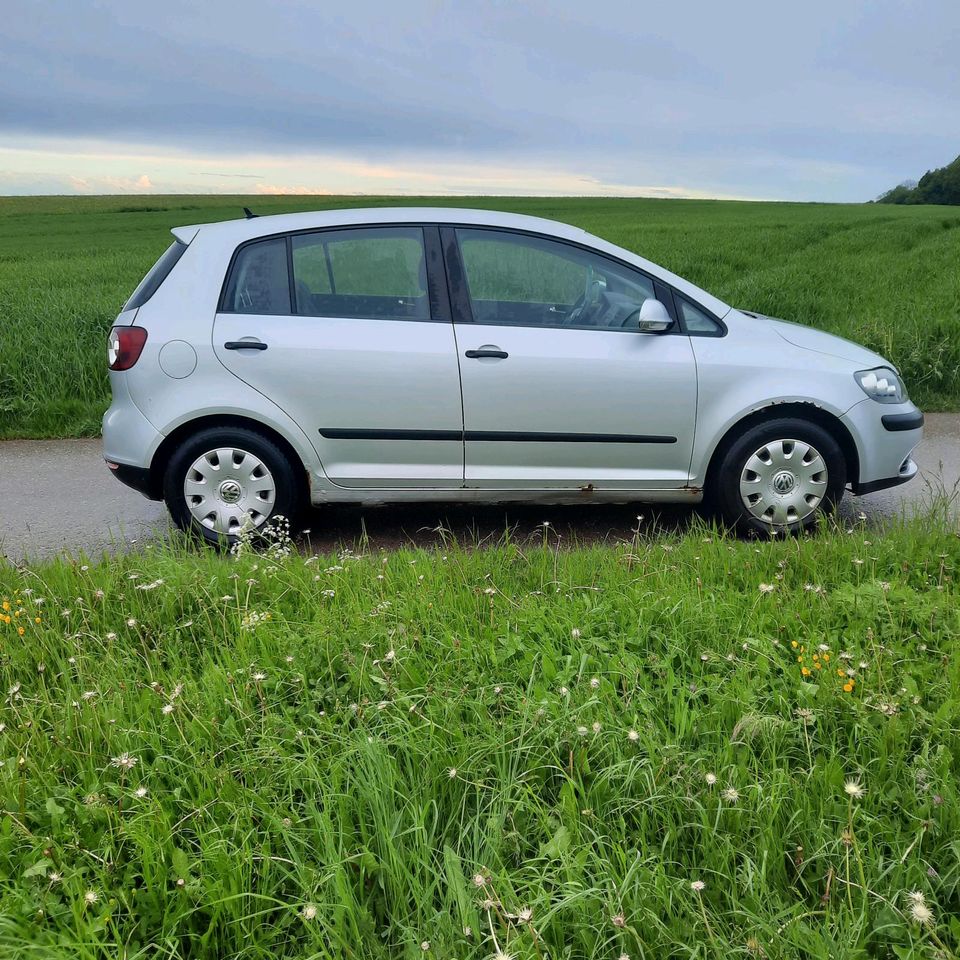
(784, 481)
(230, 491)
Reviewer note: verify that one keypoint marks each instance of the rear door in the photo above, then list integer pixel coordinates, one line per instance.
(560, 387)
(350, 333)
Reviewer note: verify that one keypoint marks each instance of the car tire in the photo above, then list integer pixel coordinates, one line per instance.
(224, 482)
(779, 477)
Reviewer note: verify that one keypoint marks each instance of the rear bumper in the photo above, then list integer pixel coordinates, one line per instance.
(138, 478)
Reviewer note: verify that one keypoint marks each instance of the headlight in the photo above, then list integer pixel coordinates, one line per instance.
(881, 384)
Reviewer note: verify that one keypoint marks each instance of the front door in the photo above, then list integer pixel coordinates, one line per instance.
(343, 331)
(560, 388)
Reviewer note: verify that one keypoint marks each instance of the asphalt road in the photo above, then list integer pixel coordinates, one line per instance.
(57, 495)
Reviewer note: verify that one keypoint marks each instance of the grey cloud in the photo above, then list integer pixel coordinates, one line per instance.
(818, 101)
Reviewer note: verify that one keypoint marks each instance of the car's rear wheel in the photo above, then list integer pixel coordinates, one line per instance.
(779, 477)
(223, 483)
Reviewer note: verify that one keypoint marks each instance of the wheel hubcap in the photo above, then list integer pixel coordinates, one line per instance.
(784, 482)
(229, 490)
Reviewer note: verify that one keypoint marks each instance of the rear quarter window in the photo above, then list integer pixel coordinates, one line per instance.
(159, 272)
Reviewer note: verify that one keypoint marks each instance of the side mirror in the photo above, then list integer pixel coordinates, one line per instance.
(653, 317)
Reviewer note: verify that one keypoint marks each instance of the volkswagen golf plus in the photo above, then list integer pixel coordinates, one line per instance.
(390, 355)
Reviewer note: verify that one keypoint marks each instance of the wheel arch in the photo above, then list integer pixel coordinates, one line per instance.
(776, 411)
(169, 444)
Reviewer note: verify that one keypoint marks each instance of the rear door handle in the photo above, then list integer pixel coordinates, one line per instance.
(487, 352)
(244, 345)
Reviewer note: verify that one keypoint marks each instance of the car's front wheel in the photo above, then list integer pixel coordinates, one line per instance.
(226, 482)
(779, 477)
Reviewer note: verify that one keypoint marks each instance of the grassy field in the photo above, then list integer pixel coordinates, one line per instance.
(680, 747)
(886, 276)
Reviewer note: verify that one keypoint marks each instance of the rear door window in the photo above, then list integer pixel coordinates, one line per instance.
(374, 273)
(259, 282)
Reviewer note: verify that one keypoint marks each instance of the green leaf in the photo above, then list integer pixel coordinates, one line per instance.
(39, 869)
(180, 862)
(457, 886)
(557, 845)
(54, 809)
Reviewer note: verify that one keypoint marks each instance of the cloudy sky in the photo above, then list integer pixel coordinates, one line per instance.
(821, 100)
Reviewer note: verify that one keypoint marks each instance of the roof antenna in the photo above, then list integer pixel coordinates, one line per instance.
(248, 213)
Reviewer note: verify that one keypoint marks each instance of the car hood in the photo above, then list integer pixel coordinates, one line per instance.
(809, 338)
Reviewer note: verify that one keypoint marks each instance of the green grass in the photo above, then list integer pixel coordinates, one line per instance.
(885, 276)
(352, 739)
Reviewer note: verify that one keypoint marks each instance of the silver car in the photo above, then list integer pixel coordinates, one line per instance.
(390, 355)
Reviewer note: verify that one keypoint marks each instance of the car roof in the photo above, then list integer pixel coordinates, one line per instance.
(245, 229)
(234, 232)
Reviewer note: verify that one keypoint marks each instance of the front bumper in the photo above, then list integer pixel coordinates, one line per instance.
(885, 436)
(908, 470)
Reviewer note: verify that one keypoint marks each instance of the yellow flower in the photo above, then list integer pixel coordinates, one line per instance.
(839, 673)
(817, 666)
(826, 657)
(6, 604)
(21, 631)
(36, 619)
(848, 687)
(794, 644)
(816, 657)
(805, 671)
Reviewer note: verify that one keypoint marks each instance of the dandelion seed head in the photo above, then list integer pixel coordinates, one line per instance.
(697, 885)
(124, 762)
(921, 913)
(853, 789)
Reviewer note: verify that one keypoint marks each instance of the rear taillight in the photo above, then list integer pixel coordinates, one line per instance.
(125, 346)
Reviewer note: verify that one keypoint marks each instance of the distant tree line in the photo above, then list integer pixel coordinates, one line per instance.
(935, 186)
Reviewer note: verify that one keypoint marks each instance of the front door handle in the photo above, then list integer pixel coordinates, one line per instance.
(487, 351)
(244, 345)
